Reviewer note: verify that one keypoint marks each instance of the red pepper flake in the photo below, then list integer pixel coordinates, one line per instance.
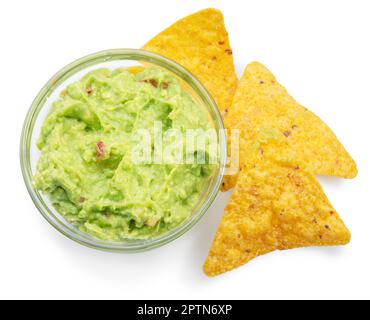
(165, 85)
(100, 150)
(153, 82)
(262, 82)
(82, 200)
(221, 43)
(214, 58)
(89, 91)
(287, 133)
(327, 227)
(297, 168)
(294, 127)
(229, 51)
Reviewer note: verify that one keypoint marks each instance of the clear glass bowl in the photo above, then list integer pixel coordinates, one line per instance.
(113, 59)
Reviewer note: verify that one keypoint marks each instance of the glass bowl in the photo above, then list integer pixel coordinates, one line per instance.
(40, 107)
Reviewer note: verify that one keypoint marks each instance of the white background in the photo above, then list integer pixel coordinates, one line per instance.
(319, 50)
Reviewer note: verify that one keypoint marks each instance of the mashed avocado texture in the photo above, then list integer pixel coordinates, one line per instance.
(86, 144)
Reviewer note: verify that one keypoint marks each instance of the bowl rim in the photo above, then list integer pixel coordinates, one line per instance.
(80, 65)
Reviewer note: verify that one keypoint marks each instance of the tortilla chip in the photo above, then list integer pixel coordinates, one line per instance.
(200, 43)
(260, 100)
(276, 205)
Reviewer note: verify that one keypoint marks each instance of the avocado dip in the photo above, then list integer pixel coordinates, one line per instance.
(86, 144)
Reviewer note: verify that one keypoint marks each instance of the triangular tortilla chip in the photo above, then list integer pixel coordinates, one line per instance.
(200, 43)
(276, 205)
(261, 100)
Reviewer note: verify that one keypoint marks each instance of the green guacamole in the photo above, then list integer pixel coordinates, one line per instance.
(86, 165)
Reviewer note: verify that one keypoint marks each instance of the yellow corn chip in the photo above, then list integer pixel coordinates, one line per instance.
(261, 100)
(200, 43)
(276, 205)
